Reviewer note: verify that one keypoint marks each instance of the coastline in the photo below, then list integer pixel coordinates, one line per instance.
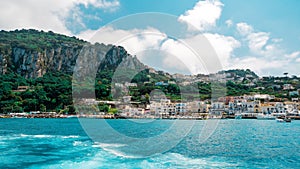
(207, 117)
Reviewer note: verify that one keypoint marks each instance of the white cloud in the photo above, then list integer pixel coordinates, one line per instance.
(181, 57)
(201, 53)
(259, 43)
(178, 54)
(203, 16)
(298, 60)
(244, 29)
(229, 22)
(100, 3)
(34, 14)
(292, 55)
(262, 66)
(223, 45)
(134, 40)
(46, 14)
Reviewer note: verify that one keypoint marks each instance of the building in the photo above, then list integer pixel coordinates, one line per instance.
(180, 108)
(216, 110)
(162, 108)
(127, 84)
(294, 93)
(161, 84)
(264, 97)
(288, 87)
(21, 89)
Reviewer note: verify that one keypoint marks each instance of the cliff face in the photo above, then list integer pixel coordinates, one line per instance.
(35, 62)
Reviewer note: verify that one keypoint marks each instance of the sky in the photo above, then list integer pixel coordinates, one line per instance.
(263, 36)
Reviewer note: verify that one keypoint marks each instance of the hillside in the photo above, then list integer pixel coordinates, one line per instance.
(44, 62)
(32, 53)
(36, 70)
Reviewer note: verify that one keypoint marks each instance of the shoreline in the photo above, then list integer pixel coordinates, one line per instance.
(136, 118)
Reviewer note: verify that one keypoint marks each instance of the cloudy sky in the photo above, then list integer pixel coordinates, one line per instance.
(263, 36)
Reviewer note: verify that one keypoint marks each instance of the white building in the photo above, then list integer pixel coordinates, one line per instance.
(181, 108)
(263, 97)
(288, 87)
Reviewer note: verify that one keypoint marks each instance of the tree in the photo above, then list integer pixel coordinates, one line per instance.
(103, 107)
(43, 108)
(71, 109)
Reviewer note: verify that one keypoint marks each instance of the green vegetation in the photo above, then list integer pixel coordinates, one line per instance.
(52, 92)
(34, 40)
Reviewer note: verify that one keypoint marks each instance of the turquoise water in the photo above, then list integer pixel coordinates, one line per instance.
(63, 143)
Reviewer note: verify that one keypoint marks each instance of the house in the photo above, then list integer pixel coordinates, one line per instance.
(164, 107)
(264, 97)
(295, 99)
(294, 93)
(129, 111)
(197, 107)
(280, 107)
(21, 89)
(126, 99)
(267, 108)
(217, 109)
(127, 84)
(180, 108)
(251, 106)
(161, 84)
(288, 87)
(119, 85)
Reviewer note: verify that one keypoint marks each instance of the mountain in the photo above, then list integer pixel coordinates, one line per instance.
(32, 53)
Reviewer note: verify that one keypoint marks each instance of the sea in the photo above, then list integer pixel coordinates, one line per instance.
(124, 143)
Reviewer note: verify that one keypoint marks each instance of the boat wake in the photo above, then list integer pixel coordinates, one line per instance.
(113, 149)
(168, 160)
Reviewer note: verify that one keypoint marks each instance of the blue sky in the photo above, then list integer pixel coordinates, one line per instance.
(261, 35)
(278, 17)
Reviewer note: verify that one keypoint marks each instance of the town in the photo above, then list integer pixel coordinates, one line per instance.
(247, 96)
(258, 106)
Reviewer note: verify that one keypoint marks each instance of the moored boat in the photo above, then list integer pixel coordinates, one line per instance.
(265, 117)
(238, 116)
(284, 120)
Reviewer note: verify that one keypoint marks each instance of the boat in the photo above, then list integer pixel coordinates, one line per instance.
(249, 115)
(265, 117)
(238, 116)
(284, 120)
(71, 116)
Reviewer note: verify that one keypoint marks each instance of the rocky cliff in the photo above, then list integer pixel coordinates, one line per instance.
(31, 54)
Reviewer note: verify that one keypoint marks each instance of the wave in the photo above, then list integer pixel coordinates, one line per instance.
(48, 136)
(112, 145)
(103, 159)
(80, 143)
(43, 136)
(180, 161)
(71, 136)
(113, 149)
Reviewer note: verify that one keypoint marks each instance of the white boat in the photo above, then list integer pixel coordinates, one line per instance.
(285, 120)
(265, 117)
(279, 120)
(72, 116)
